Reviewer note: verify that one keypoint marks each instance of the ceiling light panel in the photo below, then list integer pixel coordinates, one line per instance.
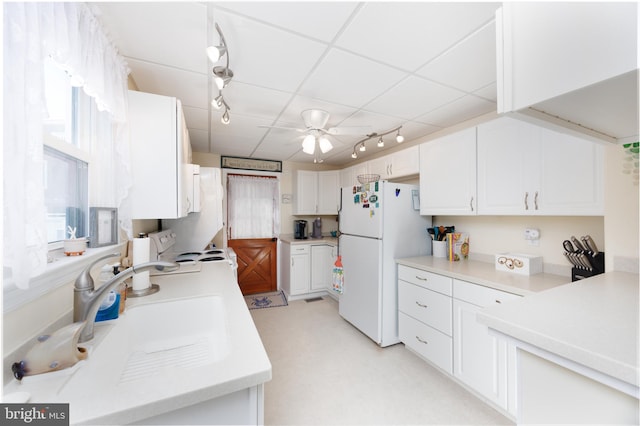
(288, 58)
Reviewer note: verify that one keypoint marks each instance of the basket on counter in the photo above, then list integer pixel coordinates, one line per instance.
(364, 179)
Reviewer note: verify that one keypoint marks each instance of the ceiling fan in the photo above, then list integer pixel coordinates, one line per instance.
(315, 121)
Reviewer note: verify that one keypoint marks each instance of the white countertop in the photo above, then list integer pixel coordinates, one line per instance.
(288, 238)
(592, 322)
(485, 274)
(245, 366)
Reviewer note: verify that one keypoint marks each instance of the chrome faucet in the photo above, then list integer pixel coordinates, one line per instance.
(87, 300)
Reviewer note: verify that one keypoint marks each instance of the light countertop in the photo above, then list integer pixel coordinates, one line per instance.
(288, 238)
(246, 365)
(485, 274)
(592, 322)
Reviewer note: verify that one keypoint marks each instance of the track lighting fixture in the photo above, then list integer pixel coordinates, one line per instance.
(360, 145)
(221, 75)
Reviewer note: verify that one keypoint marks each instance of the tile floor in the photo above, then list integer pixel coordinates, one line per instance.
(326, 372)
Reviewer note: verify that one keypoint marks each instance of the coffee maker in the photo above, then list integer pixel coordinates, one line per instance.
(300, 229)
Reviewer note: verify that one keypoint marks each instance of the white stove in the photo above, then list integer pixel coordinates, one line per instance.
(161, 248)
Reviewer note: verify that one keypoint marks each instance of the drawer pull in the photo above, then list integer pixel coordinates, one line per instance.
(498, 301)
(420, 278)
(420, 304)
(421, 341)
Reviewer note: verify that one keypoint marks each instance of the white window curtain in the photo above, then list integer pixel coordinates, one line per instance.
(69, 34)
(253, 207)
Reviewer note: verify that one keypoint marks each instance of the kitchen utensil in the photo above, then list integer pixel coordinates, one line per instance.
(578, 244)
(568, 247)
(570, 259)
(432, 233)
(585, 260)
(591, 245)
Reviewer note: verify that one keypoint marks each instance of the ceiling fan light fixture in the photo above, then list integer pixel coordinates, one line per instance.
(380, 142)
(399, 137)
(309, 144)
(325, 145)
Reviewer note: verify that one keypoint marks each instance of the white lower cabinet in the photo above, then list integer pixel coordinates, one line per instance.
(305, 269)
(437, 320)
(424, 317)
(481, 360)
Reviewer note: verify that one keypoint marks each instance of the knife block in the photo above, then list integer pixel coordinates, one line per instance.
(597, 262)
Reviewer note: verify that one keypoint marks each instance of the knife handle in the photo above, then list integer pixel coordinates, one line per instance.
(577, 243)
(591, 244)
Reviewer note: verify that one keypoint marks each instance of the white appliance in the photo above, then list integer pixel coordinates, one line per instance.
(379, 222)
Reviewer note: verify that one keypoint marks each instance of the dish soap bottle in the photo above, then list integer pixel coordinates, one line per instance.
(109, 309)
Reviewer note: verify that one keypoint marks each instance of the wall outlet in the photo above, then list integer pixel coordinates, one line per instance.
(532, 235)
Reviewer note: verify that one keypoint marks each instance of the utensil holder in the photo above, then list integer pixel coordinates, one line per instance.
(597, 262)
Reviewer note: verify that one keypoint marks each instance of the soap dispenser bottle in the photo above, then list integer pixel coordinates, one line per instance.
(110, 307)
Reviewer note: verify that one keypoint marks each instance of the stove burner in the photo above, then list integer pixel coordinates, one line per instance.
(212, 258)
(217, 251)
(190, 253)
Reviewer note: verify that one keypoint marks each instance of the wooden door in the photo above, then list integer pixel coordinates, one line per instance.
(257, 264)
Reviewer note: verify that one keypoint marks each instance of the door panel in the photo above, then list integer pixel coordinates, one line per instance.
(257, 264)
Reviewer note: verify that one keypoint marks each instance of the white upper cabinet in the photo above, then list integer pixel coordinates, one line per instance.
(563, 57)
(160, 150)
(524, 169)
(400, 164)
(349, 176)
(448, 175)
(316, 192)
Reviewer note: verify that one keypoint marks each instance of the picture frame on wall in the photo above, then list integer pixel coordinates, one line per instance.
(103, 226)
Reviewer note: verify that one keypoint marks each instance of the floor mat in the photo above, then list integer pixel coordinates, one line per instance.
(266, 300)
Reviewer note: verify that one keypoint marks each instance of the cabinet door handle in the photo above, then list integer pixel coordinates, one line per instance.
(390, 169)
(420, 278)
(421, 305)
(498, 301)
(535, 200)
(292, 262)
(421, 341)
(471, 203)
(526, 201)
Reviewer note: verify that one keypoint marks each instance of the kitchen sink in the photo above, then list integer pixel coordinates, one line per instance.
(152, 342)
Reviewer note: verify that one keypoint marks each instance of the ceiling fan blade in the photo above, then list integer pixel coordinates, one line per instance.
(283, 128)
(355, 130)
(315, 118)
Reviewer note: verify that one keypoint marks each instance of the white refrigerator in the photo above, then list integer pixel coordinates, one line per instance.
(379, 222)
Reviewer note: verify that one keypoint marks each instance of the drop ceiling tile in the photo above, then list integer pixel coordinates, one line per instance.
(348, 79)
(477, 53)
(488, 92)
(408, 34)
(319, 20)
(247, 99)
(378, 122)
(155, 33)
(196, 118)
(412, 97)
(412, 130)
(265, 56)
(199, 140)
(191, 88)
(242, 133)
(458, 111)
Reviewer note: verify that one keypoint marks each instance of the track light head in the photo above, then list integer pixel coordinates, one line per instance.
(354, 154)
(218, 102)
(362, 147)
(380, 142)
(399, 137)
(226, 119)
(216, 52)
(222, 76)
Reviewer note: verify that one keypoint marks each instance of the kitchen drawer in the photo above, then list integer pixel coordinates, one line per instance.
(480, 295)
(300, 249)
(428, 342)
(427, 306)
(425, 279)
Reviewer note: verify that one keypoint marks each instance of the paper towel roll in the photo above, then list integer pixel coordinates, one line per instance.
(141, 250)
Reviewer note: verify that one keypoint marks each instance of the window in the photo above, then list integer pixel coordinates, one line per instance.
(66, 184)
